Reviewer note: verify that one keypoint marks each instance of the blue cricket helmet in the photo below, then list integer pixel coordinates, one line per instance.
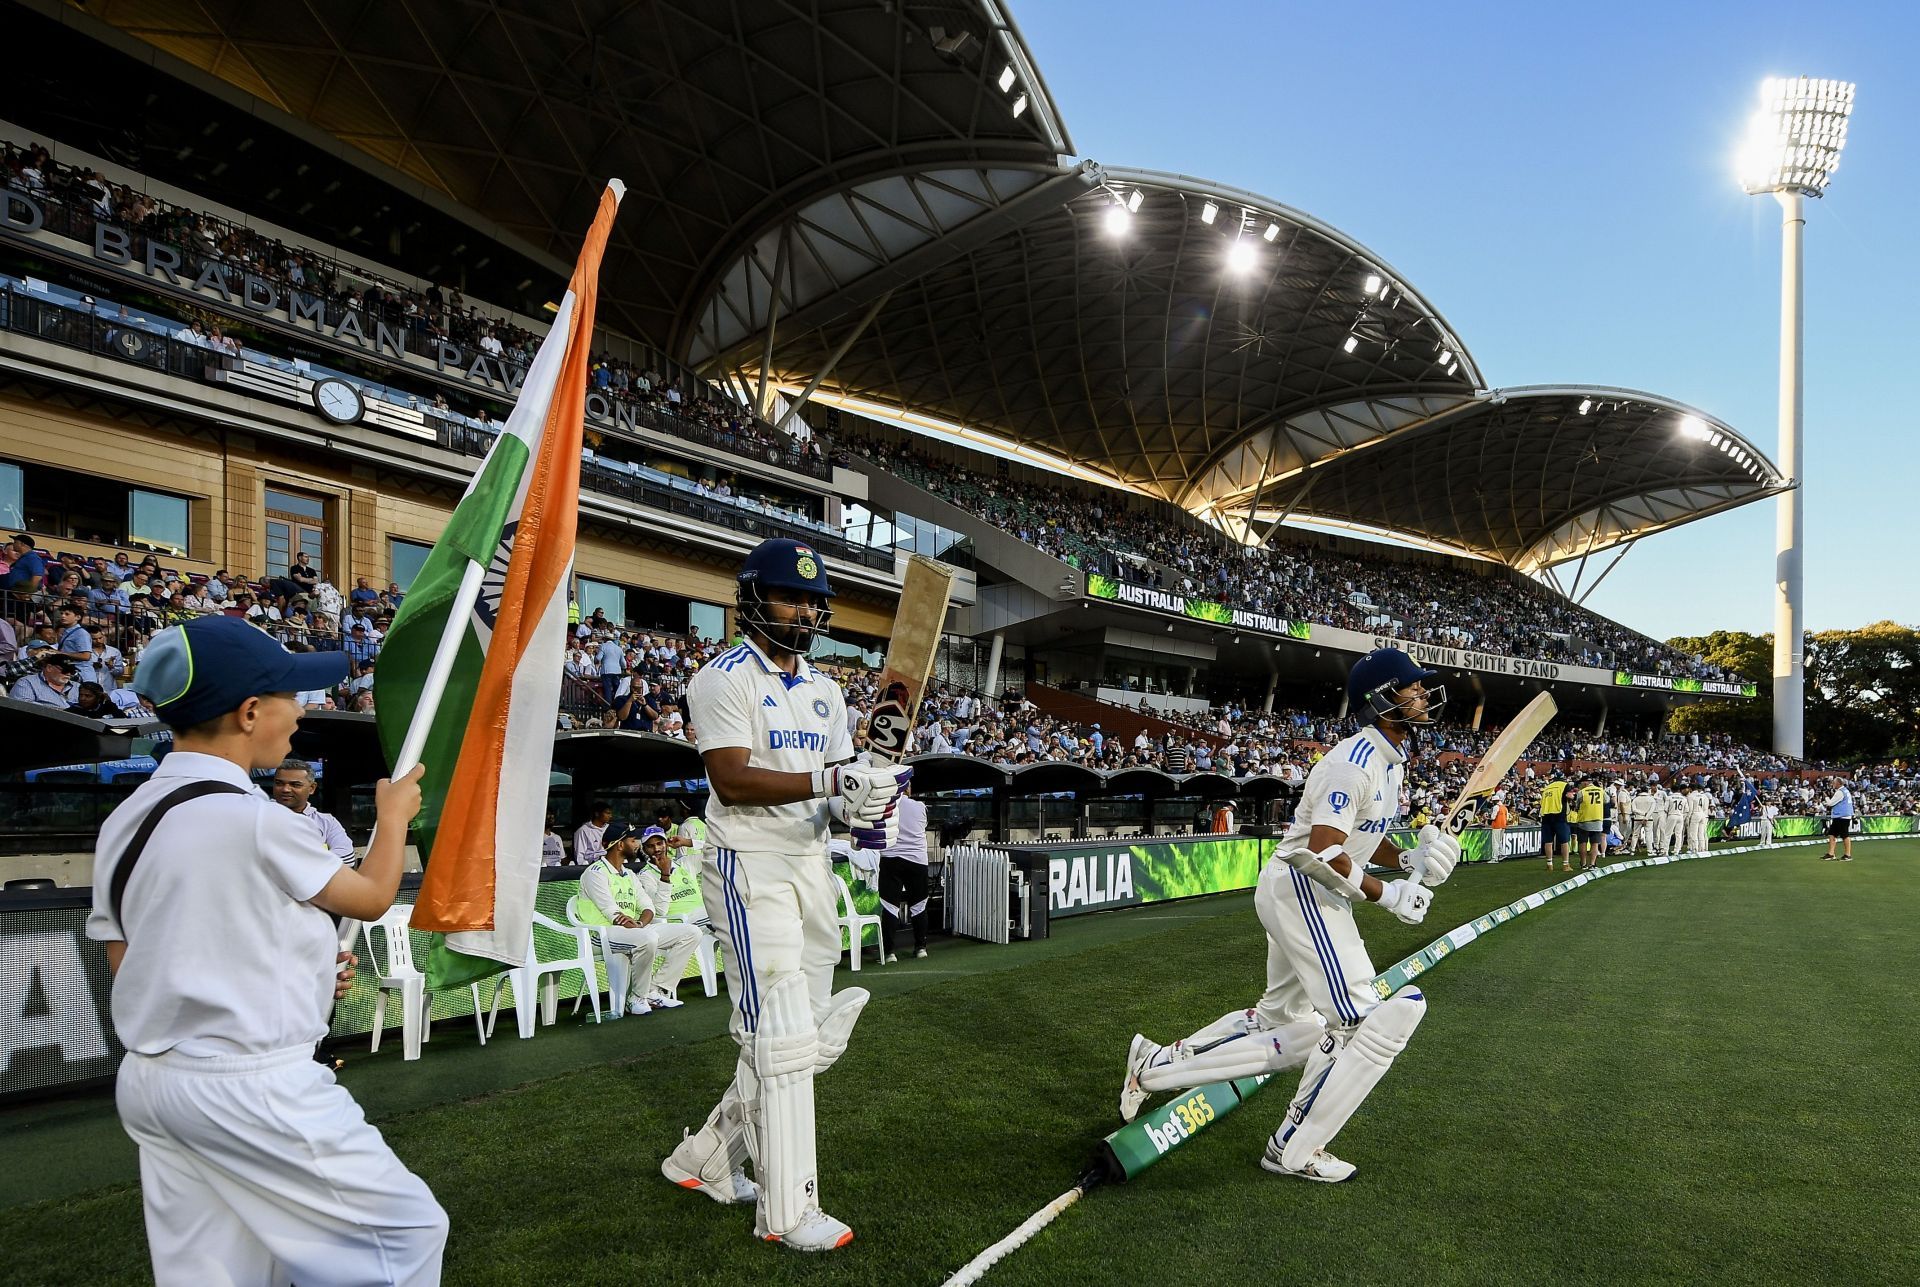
(783, 564)
(1381, 673)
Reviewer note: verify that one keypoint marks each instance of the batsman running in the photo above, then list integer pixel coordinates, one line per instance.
(773, 733)
(1320, 1009)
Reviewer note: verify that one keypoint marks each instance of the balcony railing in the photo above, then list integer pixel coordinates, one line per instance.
(124, 341)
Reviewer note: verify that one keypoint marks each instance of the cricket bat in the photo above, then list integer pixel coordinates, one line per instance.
(916, 637)
(1512, 743)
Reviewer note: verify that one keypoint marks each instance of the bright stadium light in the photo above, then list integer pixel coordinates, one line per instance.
(1134, 199)
(1019, 106)
(1353, 342)
(1273, 231)
(1586, 405)
(1693, 428)
(1006, 78)
(1209, 212)
(1373, 284)
(1117, 220)
(1792, 148)
(1240, 256)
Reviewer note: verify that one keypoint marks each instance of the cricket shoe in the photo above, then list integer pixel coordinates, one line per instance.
(1132, 1095)
(735, 1188)
(665, 1001)
(1322, 1166)
(817, 1231)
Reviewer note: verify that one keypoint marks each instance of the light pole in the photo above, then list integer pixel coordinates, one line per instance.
(1792, 149)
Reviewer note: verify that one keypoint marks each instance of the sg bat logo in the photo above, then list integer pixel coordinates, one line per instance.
(890, 727)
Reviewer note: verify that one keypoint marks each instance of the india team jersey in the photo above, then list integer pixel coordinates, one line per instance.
(792, 724)
(1355, 787)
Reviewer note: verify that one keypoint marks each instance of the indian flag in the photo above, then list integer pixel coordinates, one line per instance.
(488, 743)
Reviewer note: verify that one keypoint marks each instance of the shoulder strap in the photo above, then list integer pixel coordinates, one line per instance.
(135, 847)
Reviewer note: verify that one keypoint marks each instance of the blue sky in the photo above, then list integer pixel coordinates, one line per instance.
(1558, 181)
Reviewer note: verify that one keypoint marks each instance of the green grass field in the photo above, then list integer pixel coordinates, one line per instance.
(1701, 1072)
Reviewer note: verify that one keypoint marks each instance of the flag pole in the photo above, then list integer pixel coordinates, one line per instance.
(431, 691)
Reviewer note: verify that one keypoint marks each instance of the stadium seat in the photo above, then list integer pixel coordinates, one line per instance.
(538, 977)
(703, 955)
(615, 961)
(402, 976)
(854, 925)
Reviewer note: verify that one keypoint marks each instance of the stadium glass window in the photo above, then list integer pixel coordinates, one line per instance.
(61, 503)
(296, 523)
(156, 521)
(707, 620)
(404, 561)
(13, 513)
(610, 599)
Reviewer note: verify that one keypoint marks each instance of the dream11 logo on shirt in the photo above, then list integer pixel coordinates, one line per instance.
(1338, 801)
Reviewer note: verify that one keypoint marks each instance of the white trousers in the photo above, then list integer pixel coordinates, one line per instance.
(773, 915)
(1316, 963)
(1766, 831)
(678, 942)
(1696, 835)
(640, 944)
(262, 1169)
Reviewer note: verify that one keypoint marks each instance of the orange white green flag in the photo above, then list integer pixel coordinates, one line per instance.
(470, 671)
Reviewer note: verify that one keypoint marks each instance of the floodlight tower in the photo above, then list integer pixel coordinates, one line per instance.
(1792, 149)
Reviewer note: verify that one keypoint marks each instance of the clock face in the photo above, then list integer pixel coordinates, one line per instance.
(338, 401)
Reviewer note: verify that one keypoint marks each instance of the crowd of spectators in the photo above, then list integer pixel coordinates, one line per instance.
(1156, 544)
(73, 628)
(427, 313)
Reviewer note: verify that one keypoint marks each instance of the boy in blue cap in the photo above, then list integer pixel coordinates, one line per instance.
(215, 905)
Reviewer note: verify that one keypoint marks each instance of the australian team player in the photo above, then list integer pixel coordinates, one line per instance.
(1320, 1008)
(772, 731)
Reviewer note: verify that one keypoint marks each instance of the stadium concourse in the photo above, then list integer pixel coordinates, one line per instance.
(273, 280)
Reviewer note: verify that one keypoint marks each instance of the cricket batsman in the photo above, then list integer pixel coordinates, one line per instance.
(772, 731)
(1320, 1008)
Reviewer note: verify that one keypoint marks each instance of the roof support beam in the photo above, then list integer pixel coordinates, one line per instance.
(833, 359)
(760, 407)
(1582, 600)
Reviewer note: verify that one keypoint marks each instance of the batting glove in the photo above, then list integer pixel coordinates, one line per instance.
(1407, 899)
(1433, 857)
(865, 792)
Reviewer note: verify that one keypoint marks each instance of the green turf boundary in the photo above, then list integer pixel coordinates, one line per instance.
(1133, 1148)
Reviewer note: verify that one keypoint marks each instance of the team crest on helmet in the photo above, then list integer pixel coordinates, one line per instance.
(806, 566)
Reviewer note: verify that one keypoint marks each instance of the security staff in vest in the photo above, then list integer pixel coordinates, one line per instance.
(609, 897)
(212, 902)
(1556, 831)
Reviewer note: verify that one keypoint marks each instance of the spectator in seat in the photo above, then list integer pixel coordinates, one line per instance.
(52, 687)
(28, 567)
(362, 594)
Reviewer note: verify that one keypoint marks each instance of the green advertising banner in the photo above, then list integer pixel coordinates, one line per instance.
(1179, 605)
(1096, 877)
(1681, 684)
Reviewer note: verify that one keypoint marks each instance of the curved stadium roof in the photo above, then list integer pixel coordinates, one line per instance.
(884, 193)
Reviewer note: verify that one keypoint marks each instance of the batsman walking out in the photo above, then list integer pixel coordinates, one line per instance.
(1319, 1008)
(774, 737)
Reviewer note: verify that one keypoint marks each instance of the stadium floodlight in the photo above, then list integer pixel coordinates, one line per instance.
(1792, 148)
(1586, 405)
(1209, 212)
(1240, 255)
(1353, 342)
(1019, 106)
(1117, 220)
(1006, 78)
(1373, 284)
(1273, 230)
(1134, 199)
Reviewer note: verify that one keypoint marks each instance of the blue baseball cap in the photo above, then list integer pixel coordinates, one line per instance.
(616, 831)
(208, 666)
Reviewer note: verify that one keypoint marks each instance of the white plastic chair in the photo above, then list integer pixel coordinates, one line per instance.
(402, 976)
(616, 961)
(854, 924)
(703, 951)
(538, 978)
